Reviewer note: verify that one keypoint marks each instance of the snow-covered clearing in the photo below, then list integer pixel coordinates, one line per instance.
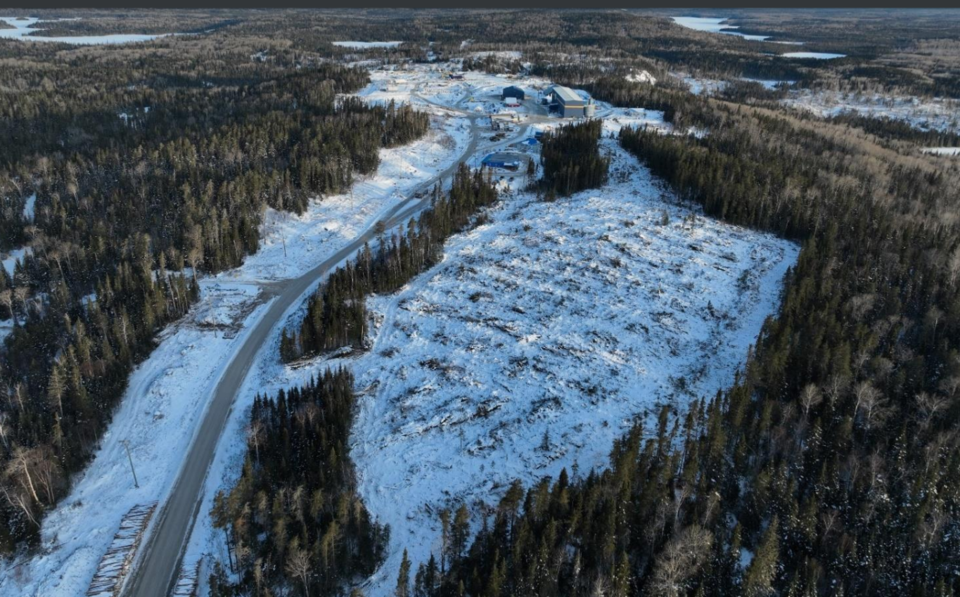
(168, 393)
(506, 54)
(619, 310)
(770, 84)
(939, 114)
(642, 77)
(700, 85)
(570, 319)
(949, 151)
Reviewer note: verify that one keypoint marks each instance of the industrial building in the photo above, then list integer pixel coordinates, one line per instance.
(569, 103)
(501, 160)
(513, 91)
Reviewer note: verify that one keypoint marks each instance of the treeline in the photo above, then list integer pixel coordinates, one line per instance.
(899, 130)
(491, 63)
(571, 158)
(752, 92)
(336, 314)
(138, 172)
(293, 520)
(65, 367)
(678, 106)
(832, 466)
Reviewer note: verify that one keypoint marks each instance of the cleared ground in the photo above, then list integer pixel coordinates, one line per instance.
(541, 338)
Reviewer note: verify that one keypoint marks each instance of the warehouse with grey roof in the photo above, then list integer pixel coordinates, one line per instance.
(569, 103)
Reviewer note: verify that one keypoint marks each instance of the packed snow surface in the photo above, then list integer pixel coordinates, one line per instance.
(542, 337)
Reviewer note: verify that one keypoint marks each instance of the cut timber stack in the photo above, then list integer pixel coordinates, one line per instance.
(115, 563)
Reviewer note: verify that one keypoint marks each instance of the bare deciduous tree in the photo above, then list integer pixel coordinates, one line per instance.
(679, 561)
(810, 397)
(255, 436)
(6, 299)
(298, 566)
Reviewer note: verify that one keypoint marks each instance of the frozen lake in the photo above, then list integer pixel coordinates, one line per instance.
(814, 55)
(364, 45)
(23, 27)
(712, 25)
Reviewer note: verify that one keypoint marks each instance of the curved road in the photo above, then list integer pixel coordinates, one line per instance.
(158, 563)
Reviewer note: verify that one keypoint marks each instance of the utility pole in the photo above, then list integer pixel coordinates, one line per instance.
(126, 445)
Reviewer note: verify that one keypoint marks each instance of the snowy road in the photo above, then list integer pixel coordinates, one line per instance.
(158, 564)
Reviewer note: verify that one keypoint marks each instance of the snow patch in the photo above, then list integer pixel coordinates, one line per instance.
(13, 257)
(642, 77)
(938, 114)
(942, 150)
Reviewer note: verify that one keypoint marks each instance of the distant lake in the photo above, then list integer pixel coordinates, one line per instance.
(814, 55)
(363, 45)
(23, 28)
(711, 25)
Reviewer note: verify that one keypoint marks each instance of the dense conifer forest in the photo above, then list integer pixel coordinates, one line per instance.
(833, 461)
(830, 467)
(571, 158)
(294, 517)
(336, 314)
(140, 179)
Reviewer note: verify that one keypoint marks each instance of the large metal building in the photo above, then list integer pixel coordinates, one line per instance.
(568, 102)
(513, 91)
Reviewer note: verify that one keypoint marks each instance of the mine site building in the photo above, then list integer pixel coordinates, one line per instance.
(568, 102)
(514, 92)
